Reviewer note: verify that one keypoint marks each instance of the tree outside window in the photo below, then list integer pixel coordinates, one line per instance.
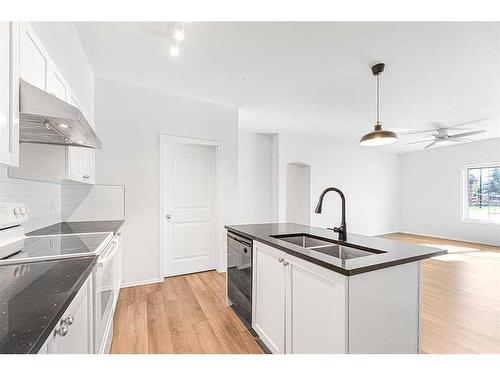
(483, 194)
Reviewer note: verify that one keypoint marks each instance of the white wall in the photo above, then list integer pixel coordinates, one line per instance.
(298, 194)
(130, 120)
(254, 181)
(368, 178)
(431, 191)
(63, 44)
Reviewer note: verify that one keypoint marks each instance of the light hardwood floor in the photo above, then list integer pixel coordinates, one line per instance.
(460, 297)
(460, 306)
(184, 314)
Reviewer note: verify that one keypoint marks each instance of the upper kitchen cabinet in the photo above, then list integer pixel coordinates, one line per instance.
(42, 161)
(9, 93)
(33, 60)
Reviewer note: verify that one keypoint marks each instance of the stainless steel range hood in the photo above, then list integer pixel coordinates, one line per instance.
(43, 118)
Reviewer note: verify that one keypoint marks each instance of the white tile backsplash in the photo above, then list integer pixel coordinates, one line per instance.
(42, 198)
(50, 203)
(98, 202)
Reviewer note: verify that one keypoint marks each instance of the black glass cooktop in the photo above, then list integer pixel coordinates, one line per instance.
(52, 247)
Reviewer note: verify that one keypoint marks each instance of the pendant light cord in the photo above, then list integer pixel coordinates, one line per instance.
(378, 99)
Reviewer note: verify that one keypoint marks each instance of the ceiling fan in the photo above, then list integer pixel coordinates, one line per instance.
(441, 133)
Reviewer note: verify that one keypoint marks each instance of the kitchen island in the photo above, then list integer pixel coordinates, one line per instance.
(314, 294)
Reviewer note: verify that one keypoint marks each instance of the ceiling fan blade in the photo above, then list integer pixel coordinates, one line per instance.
(418, 132)
(466, 123)
(430, 144)
(460, 135)
(412, 143)
(437, 129)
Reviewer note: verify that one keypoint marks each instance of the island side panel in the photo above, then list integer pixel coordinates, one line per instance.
(384, 310)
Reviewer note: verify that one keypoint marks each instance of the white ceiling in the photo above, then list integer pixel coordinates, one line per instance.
(315, 78)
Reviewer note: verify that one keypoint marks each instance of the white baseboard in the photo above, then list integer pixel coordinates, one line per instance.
(141, 282)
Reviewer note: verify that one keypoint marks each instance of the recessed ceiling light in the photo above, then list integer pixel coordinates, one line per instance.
(174, 51)
(64, 126)
(178, 34)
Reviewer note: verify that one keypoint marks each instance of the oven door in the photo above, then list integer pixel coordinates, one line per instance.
(104, 296)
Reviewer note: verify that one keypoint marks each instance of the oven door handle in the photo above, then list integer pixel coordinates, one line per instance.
(109, 254)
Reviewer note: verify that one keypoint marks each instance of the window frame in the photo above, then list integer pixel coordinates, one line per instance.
(465, 191)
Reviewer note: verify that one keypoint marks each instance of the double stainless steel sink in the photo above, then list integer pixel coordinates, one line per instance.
(325, 246)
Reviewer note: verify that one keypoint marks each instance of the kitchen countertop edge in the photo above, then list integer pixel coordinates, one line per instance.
(343, 271)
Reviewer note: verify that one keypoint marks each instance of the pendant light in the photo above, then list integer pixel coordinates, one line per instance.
(378, 137)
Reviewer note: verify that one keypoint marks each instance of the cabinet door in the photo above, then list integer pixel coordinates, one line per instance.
(33, 62)
(77, 339)
(9, 93)
(315, 309)
(88, 165)
(74, 161)
(55, 83)
(269, 297)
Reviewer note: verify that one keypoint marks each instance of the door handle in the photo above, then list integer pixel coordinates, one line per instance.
(168, 216)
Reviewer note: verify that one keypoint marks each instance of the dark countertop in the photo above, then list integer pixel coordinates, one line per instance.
(33, 298)
(395, 252)
(76, 227)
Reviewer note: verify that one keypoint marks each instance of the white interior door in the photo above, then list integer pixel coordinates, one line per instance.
(189, 208)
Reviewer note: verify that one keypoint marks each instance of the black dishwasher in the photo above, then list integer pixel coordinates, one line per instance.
(239, 275)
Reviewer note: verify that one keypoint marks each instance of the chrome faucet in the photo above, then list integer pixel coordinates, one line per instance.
(342, 230)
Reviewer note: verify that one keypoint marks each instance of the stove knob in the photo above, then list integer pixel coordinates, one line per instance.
(68, 320)
(62, 330)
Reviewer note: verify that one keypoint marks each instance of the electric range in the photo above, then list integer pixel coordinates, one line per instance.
(33, 249)
(16, 247)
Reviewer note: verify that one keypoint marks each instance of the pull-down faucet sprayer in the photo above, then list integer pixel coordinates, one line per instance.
(342, 230)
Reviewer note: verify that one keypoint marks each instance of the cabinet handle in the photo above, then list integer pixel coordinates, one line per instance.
(69, 320)
(86, 177)
(62, 330)
(285, 263)
(280, 259)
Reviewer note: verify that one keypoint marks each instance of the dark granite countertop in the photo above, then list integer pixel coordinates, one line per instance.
(77, 227)
(394, 252)
(34, 296)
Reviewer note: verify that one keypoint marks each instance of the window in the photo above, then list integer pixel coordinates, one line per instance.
(482, 194)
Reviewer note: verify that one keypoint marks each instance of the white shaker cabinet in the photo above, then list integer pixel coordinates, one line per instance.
(80, 160)
(9, 93)
(315, 309)
(55, 83)
(298, 307)
(73, 334)
(48, 162)
(268, 289)
(33, 59)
